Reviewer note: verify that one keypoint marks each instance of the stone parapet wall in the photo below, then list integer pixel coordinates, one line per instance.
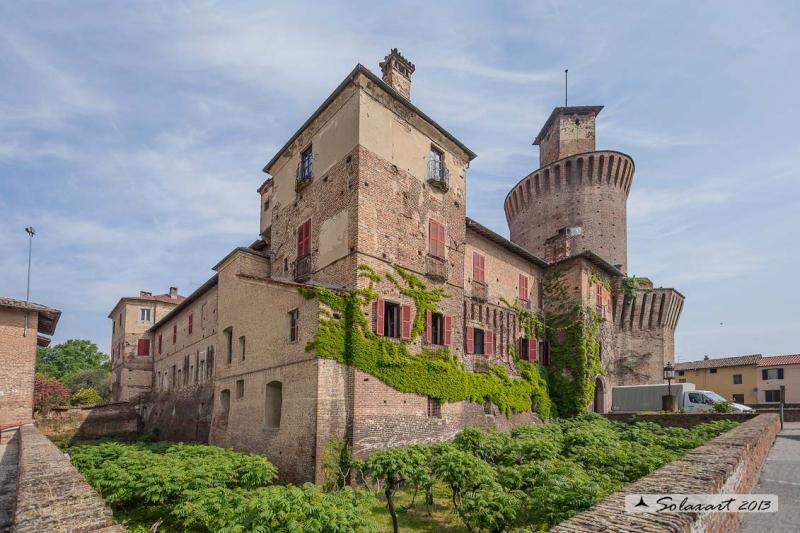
(728, 464)
(118, 420)
(51, 494)
(682, 420)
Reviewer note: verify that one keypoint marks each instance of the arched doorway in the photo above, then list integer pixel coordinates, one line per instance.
(599, 404)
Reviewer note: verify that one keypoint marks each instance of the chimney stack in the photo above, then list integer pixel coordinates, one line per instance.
(397, 71)
(173, 292)
(145, 293)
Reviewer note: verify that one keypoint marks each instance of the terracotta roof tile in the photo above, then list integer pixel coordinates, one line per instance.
(780, 360)
(720, 362)
(48, 317)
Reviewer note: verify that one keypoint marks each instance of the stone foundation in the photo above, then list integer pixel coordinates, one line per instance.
(728, 464)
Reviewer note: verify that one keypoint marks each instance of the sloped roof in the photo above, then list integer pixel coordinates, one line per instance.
(780, 360)
(516, 249)
(48, 317)
(720, 362)
(163, 298)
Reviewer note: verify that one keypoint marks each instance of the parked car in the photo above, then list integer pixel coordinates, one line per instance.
(642, 398)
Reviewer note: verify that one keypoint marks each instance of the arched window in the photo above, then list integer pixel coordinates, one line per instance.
(272, 404)
(225, 401)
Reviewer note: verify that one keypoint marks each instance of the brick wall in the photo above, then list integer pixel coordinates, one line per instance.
(118, 420)
(17, 360)
(51, 494)
(728, 464)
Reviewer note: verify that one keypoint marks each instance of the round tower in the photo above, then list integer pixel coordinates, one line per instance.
(576, 200)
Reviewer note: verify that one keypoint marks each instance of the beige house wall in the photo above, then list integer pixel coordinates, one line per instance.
(791, 380)
(721, 381)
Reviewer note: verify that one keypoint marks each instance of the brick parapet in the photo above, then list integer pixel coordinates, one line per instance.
(51, 494)
(729, 463)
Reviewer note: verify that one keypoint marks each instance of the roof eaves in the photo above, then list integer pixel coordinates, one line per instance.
(202, 289)
(514, 248)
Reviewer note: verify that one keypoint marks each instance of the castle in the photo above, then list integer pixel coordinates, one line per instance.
(368, 197)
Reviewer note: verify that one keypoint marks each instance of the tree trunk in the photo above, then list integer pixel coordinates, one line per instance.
(389, 492)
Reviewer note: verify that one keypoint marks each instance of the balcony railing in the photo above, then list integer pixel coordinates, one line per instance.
(436, 268)
(303, 269)
(480, 291)
(304, 174)
(438, 175)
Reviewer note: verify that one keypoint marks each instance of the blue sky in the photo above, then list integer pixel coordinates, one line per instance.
(132, 135)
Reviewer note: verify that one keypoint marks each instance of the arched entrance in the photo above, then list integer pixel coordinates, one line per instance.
(599, 404)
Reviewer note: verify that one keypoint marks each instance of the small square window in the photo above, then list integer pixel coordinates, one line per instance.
(737, 379)
(434, 408)
(239, 388)
(713, 371)
(144, 315)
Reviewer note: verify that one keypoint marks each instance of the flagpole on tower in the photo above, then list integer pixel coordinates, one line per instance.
(566, 85)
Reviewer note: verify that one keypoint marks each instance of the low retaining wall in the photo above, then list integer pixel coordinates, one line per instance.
(118, 420)
(51, 494)
(728, 464)
(681, 420)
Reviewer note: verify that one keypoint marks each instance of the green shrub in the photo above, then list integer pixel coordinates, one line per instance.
(85, 397)
(462, 472)
(490, 508)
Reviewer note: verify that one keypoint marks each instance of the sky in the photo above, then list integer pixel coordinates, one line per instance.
(133, 134)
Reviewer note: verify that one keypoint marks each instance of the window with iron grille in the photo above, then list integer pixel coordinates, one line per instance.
(434, 408)
(306, 164)
(436, 169)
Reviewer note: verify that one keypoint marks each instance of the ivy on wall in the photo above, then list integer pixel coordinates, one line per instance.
(345, 335)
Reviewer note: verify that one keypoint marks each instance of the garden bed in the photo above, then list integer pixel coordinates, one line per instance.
(534, 477)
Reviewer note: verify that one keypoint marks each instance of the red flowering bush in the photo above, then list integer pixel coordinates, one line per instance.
(48, 393)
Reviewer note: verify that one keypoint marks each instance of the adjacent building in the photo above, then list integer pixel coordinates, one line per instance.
(369, 183)
(23, 327)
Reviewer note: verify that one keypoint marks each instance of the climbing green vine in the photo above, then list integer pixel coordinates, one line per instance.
(431, 372)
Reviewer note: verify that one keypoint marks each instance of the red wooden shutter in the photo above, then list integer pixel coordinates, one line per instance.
(448, 330)
(405, 322)
(599, 295)
(488, 342)
(191, 319)
(523, 287)
(300, 231)
(477, 267)
(428, 327)
(304, 239)
(432, 234)
(441, 239)
(378, 310)
(533, 350)
(143, 347)
(307, 246)
(470, 334)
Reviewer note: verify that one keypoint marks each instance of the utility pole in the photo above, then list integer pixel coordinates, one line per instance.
(566, 86)
(31, 232)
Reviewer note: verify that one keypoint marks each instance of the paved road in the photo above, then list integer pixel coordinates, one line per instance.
(781, 476)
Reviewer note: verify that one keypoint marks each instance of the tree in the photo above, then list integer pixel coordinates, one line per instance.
(85, 397)
(48, 393)
(63, 361)
(98, 379)
(490, 508)
(462, 471)
(394, 467)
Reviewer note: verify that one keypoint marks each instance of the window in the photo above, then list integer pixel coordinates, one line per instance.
(225, 407)
(772, 373)
(242, 346)
(436, 239)
(478, 267)
(304, 239)
(239, 389)
(144, 314)
(159, 344)
(479, 341)
(438, 329)
(294, 315)
(273, 404)
(528, 349)
(174, 333)
(436, 165)
(191, 322)
(712, 370)
(738, 398)
(229, 345)
(434, 408)
(266, 204)
(737, 379)
(682, 380)
(695, 397)
(143, 347)
(391, 319)
(681, 372)
(772, 395)
(544, 353)
(523, 287)
(306, 164)
(174, 381)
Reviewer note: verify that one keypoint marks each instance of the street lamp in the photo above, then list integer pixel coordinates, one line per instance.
(669, 375)
(31, 232)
